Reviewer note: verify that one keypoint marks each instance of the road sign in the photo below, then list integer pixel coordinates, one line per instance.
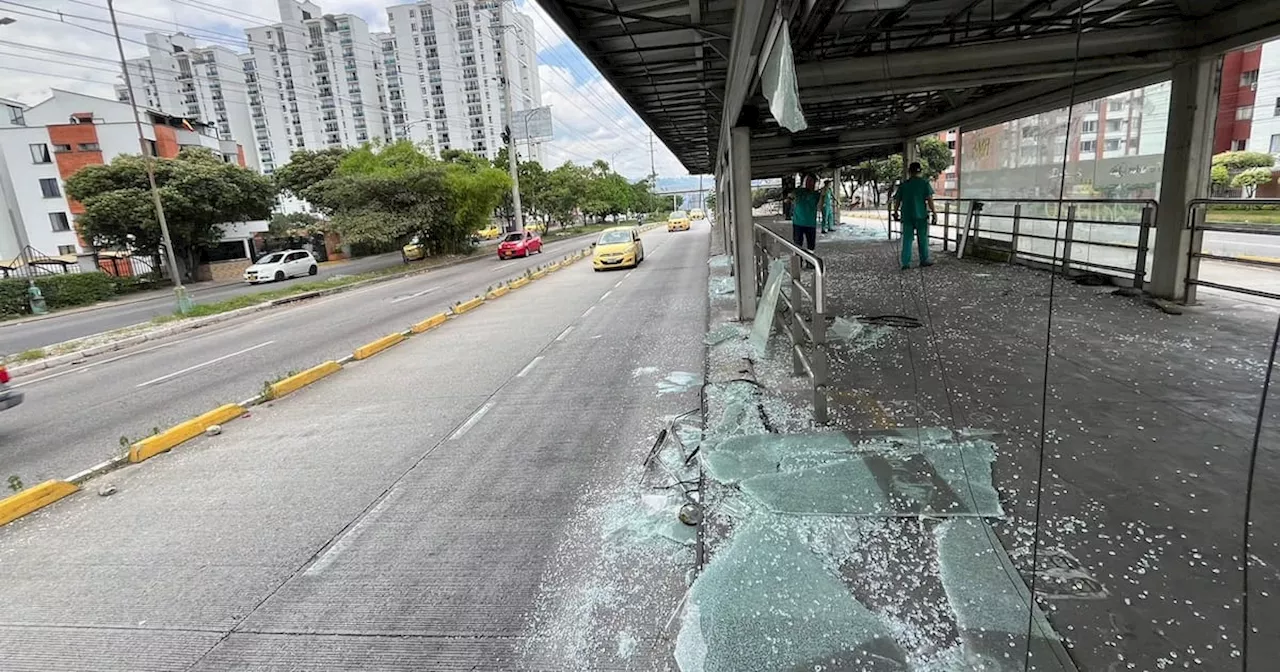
(532, 124)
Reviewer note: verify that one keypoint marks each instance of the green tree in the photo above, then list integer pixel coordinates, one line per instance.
(1250, 179)
(565, 192)
(306, 169)
(934, 156)
(711, 201)
(199, 191)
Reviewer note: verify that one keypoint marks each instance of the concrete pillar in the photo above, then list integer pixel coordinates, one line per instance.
(744, 239)
(1188, 150)
(909, 154)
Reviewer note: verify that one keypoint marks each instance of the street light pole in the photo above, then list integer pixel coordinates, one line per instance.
(180, 292)
(507, 56)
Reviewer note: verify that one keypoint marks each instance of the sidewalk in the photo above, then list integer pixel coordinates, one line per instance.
(1149, 423)
(438, 507)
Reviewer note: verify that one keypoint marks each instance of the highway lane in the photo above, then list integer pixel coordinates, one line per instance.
(76, 417)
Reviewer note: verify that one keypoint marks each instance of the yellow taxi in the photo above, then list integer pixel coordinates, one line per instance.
(697, 213)
(536, 227)
(678, 221)
(414, 251)
(619, 247)
(489, 233)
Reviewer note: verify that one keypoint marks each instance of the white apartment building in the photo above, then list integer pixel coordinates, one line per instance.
(42, 145)
(207, 83)
(449, 54)
(1264, 135)
(314, 81)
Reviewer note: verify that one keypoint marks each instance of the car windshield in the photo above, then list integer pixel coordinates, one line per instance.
(271, 258)
(678, 214)
(614, 237)
(513, 237)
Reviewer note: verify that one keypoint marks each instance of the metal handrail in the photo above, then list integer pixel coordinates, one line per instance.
(814, 363)
(1196, 211)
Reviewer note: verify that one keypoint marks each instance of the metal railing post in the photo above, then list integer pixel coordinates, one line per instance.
(1144, 239)
(946, 225)
(1193, 254)
(797, 332)
(1017, 224)
(1066, 240)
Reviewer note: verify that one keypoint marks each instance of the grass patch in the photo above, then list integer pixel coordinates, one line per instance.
(30, 355)
(1260, 216)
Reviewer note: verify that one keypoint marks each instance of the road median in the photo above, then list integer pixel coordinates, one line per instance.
(182, 432)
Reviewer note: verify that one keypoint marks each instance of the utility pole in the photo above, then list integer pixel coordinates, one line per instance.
(180, 292)
(512, 165)
(652, 169)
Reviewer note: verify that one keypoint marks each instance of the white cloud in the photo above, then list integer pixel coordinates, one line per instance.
(549, 34)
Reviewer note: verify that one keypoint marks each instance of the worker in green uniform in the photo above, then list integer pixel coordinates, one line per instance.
(828, 208)
(913, 206)
(804, 214)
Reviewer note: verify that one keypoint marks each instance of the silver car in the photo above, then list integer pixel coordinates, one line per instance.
(8, 397)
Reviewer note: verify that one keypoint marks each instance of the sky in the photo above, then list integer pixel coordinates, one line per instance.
(67, 44)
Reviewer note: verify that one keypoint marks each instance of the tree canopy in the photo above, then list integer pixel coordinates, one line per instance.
(199, 191)
(1245, 171)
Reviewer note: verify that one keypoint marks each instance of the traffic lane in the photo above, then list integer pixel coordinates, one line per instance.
(130, 394)
(1227, 243)
(223, 523)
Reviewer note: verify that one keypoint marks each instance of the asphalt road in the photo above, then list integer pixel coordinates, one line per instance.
(23, 336)
(76, 417)
(443, 506)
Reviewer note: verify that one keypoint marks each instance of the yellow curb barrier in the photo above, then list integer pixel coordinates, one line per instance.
(500, 290)
(469, 304)
(370, 349)
(301, 380)
(518, 283)
(538, 274)
(182, 432)
(1254, 257)
(430, 323)
(554, 267)
(16, 506)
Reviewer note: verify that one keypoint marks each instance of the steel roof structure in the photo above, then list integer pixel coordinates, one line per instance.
(872, 73)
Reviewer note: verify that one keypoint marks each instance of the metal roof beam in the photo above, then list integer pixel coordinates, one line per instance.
(645, 19)
(975, 58)
(1244, 24)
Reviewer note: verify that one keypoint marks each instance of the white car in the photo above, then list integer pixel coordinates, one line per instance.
(281, 265)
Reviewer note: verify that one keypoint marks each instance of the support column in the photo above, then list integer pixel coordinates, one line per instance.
(744, 238)
(1188, 149)
(909, 153)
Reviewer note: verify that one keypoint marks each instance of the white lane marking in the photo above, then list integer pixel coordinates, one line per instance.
(189, 369)
(606, 294)
(529, 367)
(471, 421)
(78, 368)
(349, 536)
(414, 295)
(502, 266)
(564, 333)
(588, 312)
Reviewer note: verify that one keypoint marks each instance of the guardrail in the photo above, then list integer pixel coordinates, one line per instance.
(1197, 209)
(1103, 236)
(808, 335)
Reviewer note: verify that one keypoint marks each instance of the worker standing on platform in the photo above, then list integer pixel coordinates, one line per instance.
(828, 208)
(913, 206)
(804, 214)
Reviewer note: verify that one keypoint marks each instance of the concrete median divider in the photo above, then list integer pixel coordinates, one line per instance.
(429, 323)
(370, 349)
(301, 380)
(538, 274)
(182, 432)
(518, 282)
(496, 292)
(469, 304)
(34, 498)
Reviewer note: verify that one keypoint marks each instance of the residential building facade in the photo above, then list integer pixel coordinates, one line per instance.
(1236, 97)
(43, 145)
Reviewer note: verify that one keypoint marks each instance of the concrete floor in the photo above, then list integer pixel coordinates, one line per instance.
(411, 513)
(1148, 428)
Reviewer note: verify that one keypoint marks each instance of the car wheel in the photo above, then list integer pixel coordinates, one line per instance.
(313, 270)
(279, 276)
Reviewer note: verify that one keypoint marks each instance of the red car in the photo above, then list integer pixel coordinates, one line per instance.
(519, 244)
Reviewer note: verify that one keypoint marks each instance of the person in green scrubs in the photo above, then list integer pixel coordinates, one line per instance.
(828, 208)
(913, 206)
(804, 214)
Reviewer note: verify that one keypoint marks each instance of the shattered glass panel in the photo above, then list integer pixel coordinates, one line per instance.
(767, 308)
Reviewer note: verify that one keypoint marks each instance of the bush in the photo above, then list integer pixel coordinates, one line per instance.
(60, 291)
(136, 283)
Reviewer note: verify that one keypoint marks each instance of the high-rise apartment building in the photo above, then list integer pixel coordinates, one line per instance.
(450, 55)
(314, 81)
(207, 83)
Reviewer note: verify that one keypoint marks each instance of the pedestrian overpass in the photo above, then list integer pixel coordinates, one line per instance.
(712, 77)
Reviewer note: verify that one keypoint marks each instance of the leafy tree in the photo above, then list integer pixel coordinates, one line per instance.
(1219, 176)
(711, 201)
(1250, 179)
(306, 169)
(934, 156)
(565, 192)
(283, 224)
(765, 195)
(199, 191)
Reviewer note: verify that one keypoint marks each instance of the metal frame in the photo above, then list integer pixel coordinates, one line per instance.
(1196, 209)
(808, 336)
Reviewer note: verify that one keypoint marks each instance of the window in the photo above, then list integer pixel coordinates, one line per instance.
(1276, 112)
(64, 250)
(1115, 105)
(90, 147)
(1088, 146)
(59, 221)
(49, 187)
(1275, 144)
(1239, 145)
(1112, 145)
(1114, 125)
(1244, 113)
(1249, 78)
(61, 148)
(40, 153)
(15, 116)
(1089, 126)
